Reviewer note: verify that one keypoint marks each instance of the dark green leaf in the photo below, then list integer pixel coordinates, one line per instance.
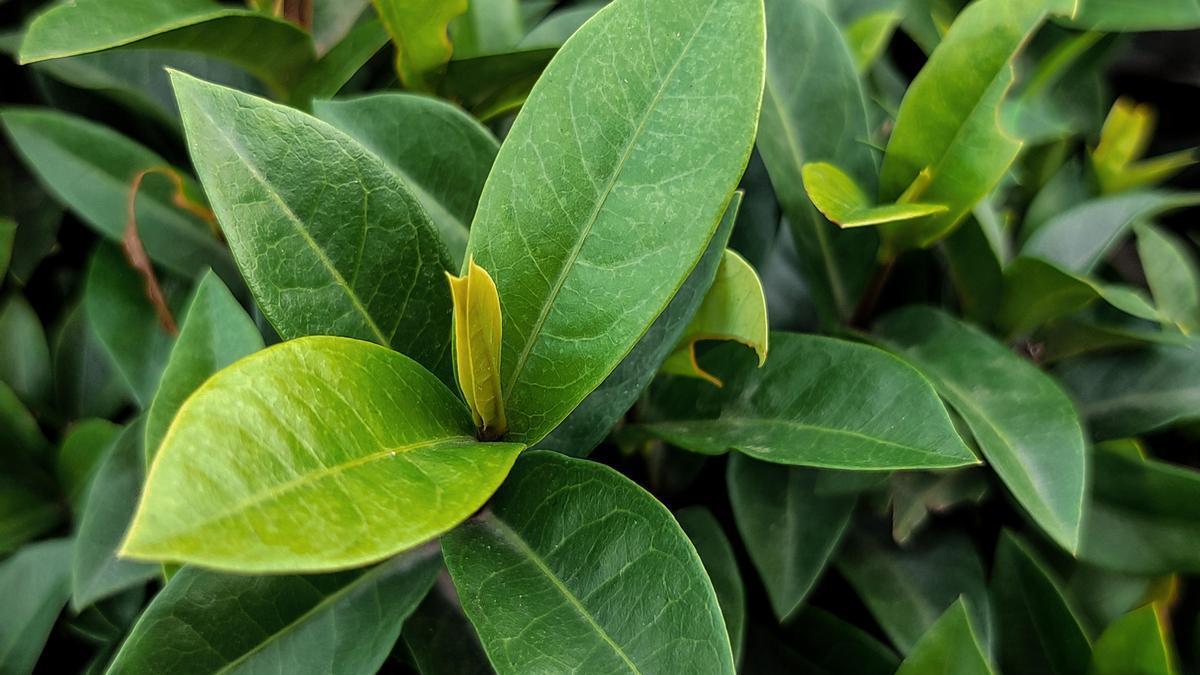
(336, 68)
(816, 642)
(80, 455)
(1024, 423)
(440, 639)
(950, 643)
(613, 204)
(1136, 643)
(85, 379)
(789, 529)
(24, 353)
(717, 555)
(35, 584)
(1037, 291)
(575, 567)
(1171, 272)
(8, 233)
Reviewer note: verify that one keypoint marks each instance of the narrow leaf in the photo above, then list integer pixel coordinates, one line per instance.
(619, 216)
(477, 338)
(316, 454)
(35, 584)
(575, 567)
(1037, 291)
(1171, 272)
(842, 201)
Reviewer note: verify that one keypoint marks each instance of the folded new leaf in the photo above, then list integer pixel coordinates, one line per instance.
(1117, 159)
(842, 201)
(734, 309)
(477, 333)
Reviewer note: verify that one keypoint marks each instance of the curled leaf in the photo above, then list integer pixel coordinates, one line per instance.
(842, 201)
(1124, 139)
(477, 330)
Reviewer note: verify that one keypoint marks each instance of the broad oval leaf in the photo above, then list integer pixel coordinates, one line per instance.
(85, 26)
(346, 622)
(316, 454)
(609, 187)
(216, 332)
(35, 584)
(90, 169)
(950, 642)
(717, 555)
(575, 567)
(817, 402)
(1024, 423)
(330, 240)
(790, 530)
(814, 111)
(442, 154)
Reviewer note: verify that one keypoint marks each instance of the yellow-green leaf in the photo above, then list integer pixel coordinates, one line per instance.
(734, 309)
(1135, 643)
(418, 28)
(842, 201)
(477, 331)
(869, 34)
(1117, 159)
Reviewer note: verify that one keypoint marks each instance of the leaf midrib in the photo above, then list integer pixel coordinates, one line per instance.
(602, 199)
(514, 539)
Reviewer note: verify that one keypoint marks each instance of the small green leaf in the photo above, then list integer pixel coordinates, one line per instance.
(27, 504)
(477, 339)
(90, 169)
(442, 154)
(24, 353)
(1038, 631)
(734, 309)
(1078, 239)
(869, 34)
(125, 322)
(1171, 272)
(216, 332)
(333, 70)
(330, 239)
(789, 529)
(1136, 643)
(8, 234)
(717, 555)
(487, 27)
(85, 380)
(1128, 393)
(907, 589)
(575, 567)
(842, 201)
(347, 622)
(418, 29)
(817, 402)
(1117, 160)
(1125, 15)
(80, 455)
(96, 572)
(35, 584)
(84, 26)
(620, 215)
(949, 125)
(1037, 291)
(1024, 423)
(951, 642)
(316, 454)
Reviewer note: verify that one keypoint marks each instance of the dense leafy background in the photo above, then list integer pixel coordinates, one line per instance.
(971, 447)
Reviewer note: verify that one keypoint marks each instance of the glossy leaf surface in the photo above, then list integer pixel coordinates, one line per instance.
(842, 201)
(477, 338)
(1136, 643)
(717, 555)
(204, 622)
(614, 204)
(330, 240)
(575, 566)
(418, 29)
(817, 402)
(1024, 423)
(1037, 291)
(950, 641)
(316, 454)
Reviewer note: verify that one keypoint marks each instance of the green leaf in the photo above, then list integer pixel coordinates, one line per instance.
(330, 239)
(1129, 393)
(1078, 239)
(817, 402)
(869, 34)
(734, 309)
(1117, 159)
(316, 454)
(719, 562)
(948, 127)
(334, 19)
(90, 169)
(347, 622)
(815, 642)
(1143, 516)
(617, 175)
(125, 322)
(85, 379)
(908, 589)
(24, 353)
(1037, 291)
(84, 26)
(488, 27)
(950, 643)
(594, 417)
(842, 201)
(1038, 631)
(418, 28)
(1130, 15)
(216, 332)
(918, 495)
(1171, 272)
(27, 506)
(975, 255)
(1136, 643)
(477, 324)
(560, 24)
(441, 153)
(35, 584)
(790, 530)
(80, 455)
(1093, 332)
(814, 111)
(97, 573)
(8, 233)
(440, 639)
(574, 566)
(1024, 423)
(494, 85)
(329, 74)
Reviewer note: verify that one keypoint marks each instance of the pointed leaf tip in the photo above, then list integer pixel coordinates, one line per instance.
(477, 333)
